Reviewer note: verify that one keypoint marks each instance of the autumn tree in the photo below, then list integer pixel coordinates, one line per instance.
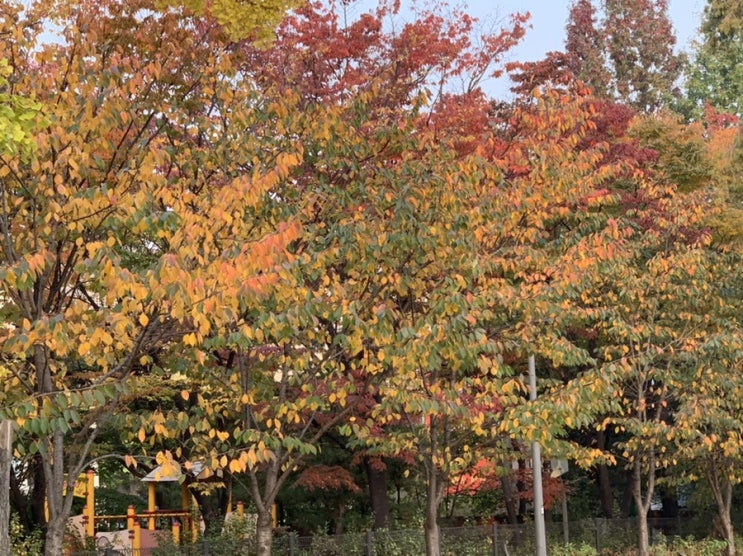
(136, 228)
(255, 22)
(640, 41)
(715, 73)
(628, 55)
(559, 206)
(655, 157)
(680, 151)
(18, 119)
(327, 56)
(647, 311)
(312, 346)
(583, 40)
(707, 416)
(462, 402)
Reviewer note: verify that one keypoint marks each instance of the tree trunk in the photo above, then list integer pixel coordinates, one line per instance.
(643, 540)
(54, 539)
(520, 489)
(722, 489)
(377, 479)
(431, 526)
(434, 494)
(627, 495)
(729, 532)
(209, 507)
(642, 501)
(508, 485)
(58, 508)
(272, 479)
(340, 513)
(606, 496)
(264, 533)
(669, 499)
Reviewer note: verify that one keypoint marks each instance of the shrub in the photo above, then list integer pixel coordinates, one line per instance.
(22, 543)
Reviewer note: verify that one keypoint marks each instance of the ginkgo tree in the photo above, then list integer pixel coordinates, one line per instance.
(136, 228)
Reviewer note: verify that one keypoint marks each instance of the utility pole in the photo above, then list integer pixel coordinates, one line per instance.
(6, 459)
(536, 462)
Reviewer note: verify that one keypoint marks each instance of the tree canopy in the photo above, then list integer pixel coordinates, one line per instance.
(285, 244)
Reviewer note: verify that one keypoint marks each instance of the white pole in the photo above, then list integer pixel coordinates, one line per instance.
(6, 458)
(536, 461)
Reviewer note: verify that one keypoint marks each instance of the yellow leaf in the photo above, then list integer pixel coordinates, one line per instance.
(143, 319)
(185, 394)
(141, 435)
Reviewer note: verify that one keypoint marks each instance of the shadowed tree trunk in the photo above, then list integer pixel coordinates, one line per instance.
(508, 485)
(377, 478)
(627, 495)
(606, 497)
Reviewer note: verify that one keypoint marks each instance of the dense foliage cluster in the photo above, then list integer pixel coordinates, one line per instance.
(301, 249)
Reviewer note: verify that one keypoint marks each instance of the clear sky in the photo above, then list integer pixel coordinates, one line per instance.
(548, 19)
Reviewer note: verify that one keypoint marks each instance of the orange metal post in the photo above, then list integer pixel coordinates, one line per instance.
(137, 542)
(130, 518)
(90, 502)
(176, 532)
(85, 520)
(151, 507)
(240, 508)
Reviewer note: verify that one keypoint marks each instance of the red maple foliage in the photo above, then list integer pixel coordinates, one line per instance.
(327, 477)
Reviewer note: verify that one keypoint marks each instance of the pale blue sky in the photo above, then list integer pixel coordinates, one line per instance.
(548, 19)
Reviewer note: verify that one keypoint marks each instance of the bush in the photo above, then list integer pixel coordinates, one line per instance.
(690, 547)
(237, 539)
(22, 543)
(571, 549)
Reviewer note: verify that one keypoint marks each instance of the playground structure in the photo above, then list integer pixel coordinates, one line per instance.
(139, 535)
